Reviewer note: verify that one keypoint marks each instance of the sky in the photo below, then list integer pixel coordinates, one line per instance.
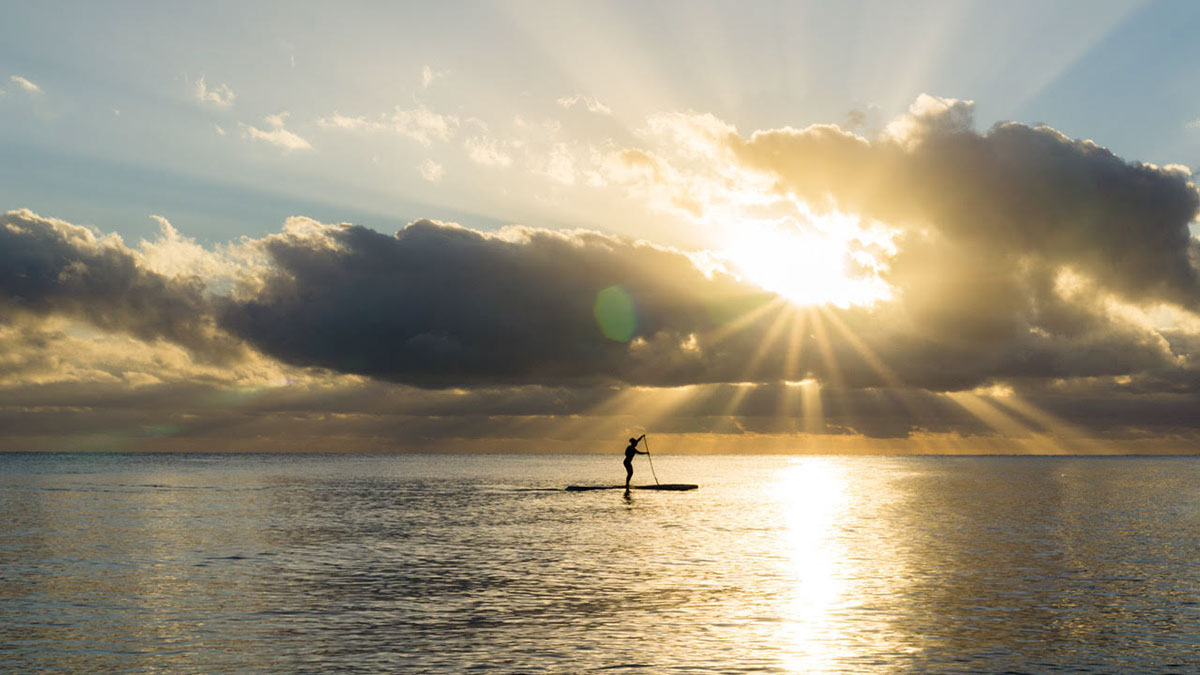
(545, 227)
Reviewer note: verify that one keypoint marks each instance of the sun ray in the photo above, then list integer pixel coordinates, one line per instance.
(1071, 437)
(1012, 429)
(740, 390)
(913, 407)
(639, 408)
(832, 371)
(865, 353)
(814, 413)
(744, 320)
(788, 411)
(772, 334)
(795, 347)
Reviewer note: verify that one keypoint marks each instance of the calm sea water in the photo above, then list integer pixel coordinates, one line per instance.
(449, 563)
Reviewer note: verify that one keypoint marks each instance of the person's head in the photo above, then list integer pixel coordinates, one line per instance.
(632, 441)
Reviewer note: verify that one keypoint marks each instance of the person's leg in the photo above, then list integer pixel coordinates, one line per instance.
(628, 474)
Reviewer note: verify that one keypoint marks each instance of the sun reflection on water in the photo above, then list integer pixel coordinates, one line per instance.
(812, 494)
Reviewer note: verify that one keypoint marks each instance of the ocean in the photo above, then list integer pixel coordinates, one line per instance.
(453, 563)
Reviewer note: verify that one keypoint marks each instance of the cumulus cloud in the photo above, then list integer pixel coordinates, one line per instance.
(440, 304)
(50, 267)
(1013, 196)
(25, 84)
(218, 268)
(276, 134)
(1037, 281)
(221, 95)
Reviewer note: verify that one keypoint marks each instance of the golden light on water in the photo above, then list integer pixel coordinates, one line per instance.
(812, 493)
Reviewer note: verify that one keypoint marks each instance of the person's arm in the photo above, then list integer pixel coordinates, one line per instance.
(641, 438)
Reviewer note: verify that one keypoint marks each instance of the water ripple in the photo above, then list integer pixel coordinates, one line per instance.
(812, 564)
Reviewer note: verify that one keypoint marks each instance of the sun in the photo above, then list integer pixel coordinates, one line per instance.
(821, 260)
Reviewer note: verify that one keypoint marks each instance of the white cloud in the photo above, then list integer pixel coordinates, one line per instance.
(560, 165)
(340, 121)
(432, 171)
(421, 124)
(173, 254)
(486, 151)
(1194, 124)
(276, 135)
(428, 76)
(929, 116)
(25, 84)
(221, 95)
(590, 102)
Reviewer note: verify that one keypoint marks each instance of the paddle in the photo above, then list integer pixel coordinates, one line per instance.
(650, 460)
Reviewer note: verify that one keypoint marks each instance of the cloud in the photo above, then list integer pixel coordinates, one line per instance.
(486, 151)
(432, 171)
(221, 95)
(1019, 252)
(1015, 195)
(276, 135)
(464, 308)
(25, 84)
(53, 268)
(930, 116)
(420, 124)
(589, 102)
(440, 304)
(521, 328)
(429, 76)
(219, 268)
(1033, 278)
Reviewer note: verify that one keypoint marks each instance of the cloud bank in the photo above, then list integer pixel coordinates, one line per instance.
(443, 305)
(1039, 284)
(52, 268)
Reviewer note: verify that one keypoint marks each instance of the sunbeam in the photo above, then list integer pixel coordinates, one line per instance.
(1012, 430)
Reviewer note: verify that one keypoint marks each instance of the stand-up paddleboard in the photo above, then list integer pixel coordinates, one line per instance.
(675, 487)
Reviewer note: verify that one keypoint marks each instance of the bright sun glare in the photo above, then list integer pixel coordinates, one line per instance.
(810, 265)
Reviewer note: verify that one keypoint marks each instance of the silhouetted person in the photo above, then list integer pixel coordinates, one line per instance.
(629, 453)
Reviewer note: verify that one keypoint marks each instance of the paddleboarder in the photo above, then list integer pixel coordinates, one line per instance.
(629, 453)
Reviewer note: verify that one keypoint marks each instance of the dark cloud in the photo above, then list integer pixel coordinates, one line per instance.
(1022, 260)
(1014, 192)
(443, 305)
(1012, 244)
(50, 267)
(384, 417)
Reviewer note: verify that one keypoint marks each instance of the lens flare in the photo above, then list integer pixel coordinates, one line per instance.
(615, 314)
